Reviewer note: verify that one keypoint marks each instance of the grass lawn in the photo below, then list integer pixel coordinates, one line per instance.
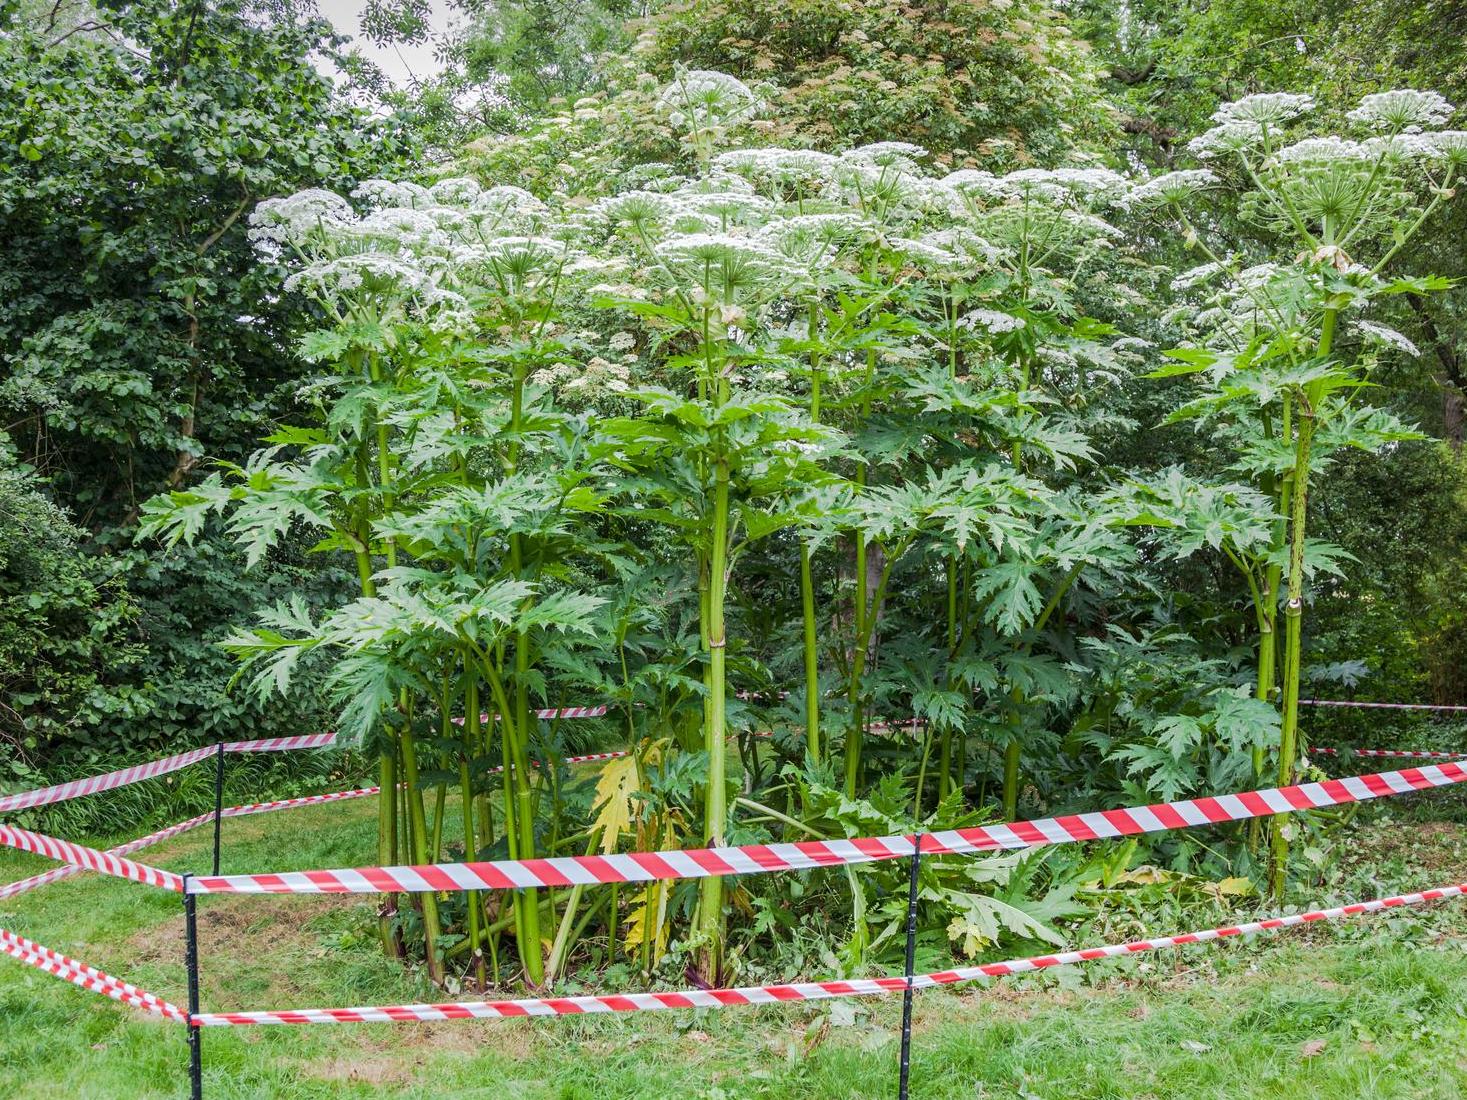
(1372, 1008)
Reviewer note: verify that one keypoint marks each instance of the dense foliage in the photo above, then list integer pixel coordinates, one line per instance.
(792, 372)
(139, 334)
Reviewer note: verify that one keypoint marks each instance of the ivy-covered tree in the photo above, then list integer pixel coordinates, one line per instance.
(139, 336)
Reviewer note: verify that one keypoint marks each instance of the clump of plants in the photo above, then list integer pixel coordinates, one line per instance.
(796, 442)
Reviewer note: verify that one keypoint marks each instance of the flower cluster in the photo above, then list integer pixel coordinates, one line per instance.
(700, 99)
(1174, 187)
(1403, 111)
(1265, 109)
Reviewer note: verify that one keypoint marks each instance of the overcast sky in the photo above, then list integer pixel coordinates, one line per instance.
(400, 63)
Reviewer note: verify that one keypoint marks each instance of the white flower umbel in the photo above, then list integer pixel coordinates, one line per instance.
(372, 273)
(645, 212)
(1399, 148)
(786, 168)
(714, 248)
(1096, 185)
(456, 191)
(991, 320)
(1403, 111)
(724, 267)
(1173, 187)
(976, 184)
(727, 208)
(416, 230)
(1237, 136)
(1447, 145)
(902, 153)
(1265, 109)
(815, 238)
(1197, 275)
(1035, 184)
(379, 193)
(508, 201)
(967, 246)
(296, 218)
(1389, 337)
(1323, 150)
(698, 99)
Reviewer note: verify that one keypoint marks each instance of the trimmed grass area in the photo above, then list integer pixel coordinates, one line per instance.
(1373, 1008)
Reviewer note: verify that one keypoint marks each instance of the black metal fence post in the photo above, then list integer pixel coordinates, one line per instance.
(218, 801)
(191, 960)
(906, 1065)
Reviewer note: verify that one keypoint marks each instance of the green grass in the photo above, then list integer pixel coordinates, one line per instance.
(1367, 1009)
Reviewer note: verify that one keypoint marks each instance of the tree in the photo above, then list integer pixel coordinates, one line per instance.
(138, 335)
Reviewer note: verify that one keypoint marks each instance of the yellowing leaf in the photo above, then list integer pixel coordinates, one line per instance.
(648, 918)
(1231, 888)
(619, 780)
(1146, 875)
(972, 935)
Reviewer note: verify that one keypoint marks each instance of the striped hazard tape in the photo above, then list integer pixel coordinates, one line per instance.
(78, 858)
(283, 744)
(1351, 704)
(806, 855)
(112, 780)
(25, 885)
(88, 977)
(79, 855)
(549, 713)
(68, 869)
(797, 991)
(1402, 754)
(123, 777)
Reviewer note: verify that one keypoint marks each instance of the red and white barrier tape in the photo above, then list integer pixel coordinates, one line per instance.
(806, 855)
(123, 777)
(88, 977)
(1409, 754)
(22, 886)
(79, 858)
(1349, 703)
(25, 885)
(796, 991)
(80, 855)
(66, 870)
(550, 713)
(11, 889)
(120, 778)
(283, 744)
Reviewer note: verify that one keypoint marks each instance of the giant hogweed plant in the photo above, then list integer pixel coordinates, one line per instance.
(968, 374)
(549, 436)
(1286, 345)
(443, 470)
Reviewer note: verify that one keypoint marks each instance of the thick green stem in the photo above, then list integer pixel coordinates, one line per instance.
(419, 834)
(716, 804)
(945, 765)
(517, 729)
(858, 664)
(518, 807)
(1012, 749)
(870, 610)
(812, 656)
(1289, 747)
(1011, 781)
(1293, 635)
(467, 751)
(807, 581)
(922, 773)
(945, 757)
(387, 839)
